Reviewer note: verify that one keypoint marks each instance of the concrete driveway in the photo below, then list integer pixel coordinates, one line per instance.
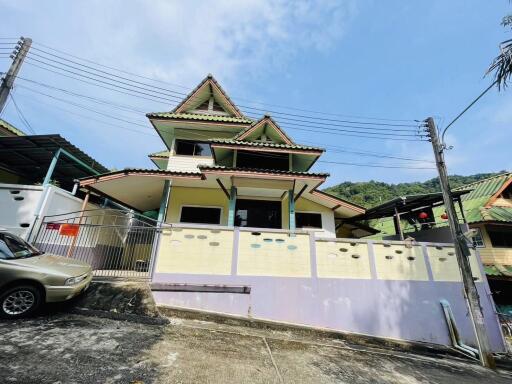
(66, 348)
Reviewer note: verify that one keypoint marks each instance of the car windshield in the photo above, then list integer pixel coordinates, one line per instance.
(14, 247)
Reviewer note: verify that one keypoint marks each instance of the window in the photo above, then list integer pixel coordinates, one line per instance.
(263, 160)
(258, 213)
(200, 215)
(501, 236)
(478, 240)
(13, 247)
(192, 148)
(308, 220)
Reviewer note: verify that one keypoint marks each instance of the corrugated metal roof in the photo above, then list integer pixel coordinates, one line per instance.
(265, 144)
(257, 170)
(486, 187)
(199, 117)
(159, 154)
(11, 128)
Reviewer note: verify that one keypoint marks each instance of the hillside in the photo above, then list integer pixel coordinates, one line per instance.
(372, 193)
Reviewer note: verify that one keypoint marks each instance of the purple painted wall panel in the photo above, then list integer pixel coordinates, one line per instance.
(407, 310)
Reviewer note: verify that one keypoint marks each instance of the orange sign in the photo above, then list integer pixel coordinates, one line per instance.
(69, 230)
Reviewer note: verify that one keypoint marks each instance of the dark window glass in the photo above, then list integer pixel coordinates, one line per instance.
(308, 220)
(192, 148)
(13, 247)
(258, 214)
(500, 236)
(262, 160)
(200, 215)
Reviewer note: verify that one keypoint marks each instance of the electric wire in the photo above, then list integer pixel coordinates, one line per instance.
(188, 87)
(21, 115)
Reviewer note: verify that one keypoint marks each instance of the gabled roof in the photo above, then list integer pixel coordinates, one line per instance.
(261, 126)
(213, 88)
(197, 116)
(478, 204)
(220, 168)
(11, 129)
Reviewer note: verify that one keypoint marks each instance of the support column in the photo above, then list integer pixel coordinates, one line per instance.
(164, 202)
(291, 209)
(232, 207)
(51, 168)
(398, 225)
(84, 207)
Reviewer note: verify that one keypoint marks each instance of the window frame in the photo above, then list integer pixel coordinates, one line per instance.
(194, 143)
(201, 206)
(314, 213)
(479, 233)
(487, 228)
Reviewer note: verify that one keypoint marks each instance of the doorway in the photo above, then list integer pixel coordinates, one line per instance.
(258, 214)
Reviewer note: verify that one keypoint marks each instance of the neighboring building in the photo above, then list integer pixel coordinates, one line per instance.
(7, 129)
(222, 168)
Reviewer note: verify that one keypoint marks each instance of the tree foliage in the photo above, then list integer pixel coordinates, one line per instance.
(502, 64)
(372, 193)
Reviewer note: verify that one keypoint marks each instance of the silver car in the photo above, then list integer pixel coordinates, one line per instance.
(29, 277)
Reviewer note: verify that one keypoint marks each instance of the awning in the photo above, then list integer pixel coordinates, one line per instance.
(30, 158)
(406, 204)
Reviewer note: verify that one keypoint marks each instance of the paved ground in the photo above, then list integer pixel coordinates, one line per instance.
(66, 348)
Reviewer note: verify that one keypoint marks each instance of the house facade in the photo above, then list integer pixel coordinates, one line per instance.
(223, 168)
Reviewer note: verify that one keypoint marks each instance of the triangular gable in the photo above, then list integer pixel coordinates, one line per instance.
(507, 184)
(265, 127)
(199, 99)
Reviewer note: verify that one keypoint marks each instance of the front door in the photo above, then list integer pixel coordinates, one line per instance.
(258, 214)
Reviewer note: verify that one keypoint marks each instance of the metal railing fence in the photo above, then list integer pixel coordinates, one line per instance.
(116, 243)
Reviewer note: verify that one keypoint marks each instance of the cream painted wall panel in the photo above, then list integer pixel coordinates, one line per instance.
(187, 163)
(397, 262)
(342, 260)
(443, 263)
(196, 196)
(274, 254)
(195, 251)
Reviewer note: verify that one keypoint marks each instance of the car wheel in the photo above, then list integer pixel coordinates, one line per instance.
(19, 301)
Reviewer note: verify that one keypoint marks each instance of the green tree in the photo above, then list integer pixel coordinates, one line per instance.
(502, 64)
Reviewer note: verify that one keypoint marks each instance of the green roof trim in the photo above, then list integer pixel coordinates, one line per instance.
(11, 128)
(199, 117)
(162, 154)
(498, 270)
(258, 170)
(267, 144)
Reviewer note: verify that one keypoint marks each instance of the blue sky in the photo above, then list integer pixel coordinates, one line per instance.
(393, 59)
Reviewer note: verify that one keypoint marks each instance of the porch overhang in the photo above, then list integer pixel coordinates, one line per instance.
(340, 207)
(139, 189)
(263, 183)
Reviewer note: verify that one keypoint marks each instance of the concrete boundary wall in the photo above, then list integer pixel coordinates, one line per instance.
(381, 288)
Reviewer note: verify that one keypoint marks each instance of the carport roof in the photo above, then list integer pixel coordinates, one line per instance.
(30, 156)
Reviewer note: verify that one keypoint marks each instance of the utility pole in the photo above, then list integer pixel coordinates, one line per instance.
(18, 56)
(462, 251)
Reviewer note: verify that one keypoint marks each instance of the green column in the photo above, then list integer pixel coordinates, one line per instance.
(51, 168)
(165, 201)
(232, 206)
(291, 209)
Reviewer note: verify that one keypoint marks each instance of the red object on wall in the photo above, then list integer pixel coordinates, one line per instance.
(423, 215)
(444, 216)
(69, 230)
(54, 226)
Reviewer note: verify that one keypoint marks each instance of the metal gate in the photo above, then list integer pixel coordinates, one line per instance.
(116, 243)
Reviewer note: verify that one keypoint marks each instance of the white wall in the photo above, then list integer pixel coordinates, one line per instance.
(16, 214)
(187, 163)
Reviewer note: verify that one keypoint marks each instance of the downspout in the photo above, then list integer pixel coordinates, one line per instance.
(454, 332)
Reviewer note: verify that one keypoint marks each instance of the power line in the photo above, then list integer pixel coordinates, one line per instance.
(21, 115)
(188, 87)
(173, 98)
(346, 132)
(372, 165)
